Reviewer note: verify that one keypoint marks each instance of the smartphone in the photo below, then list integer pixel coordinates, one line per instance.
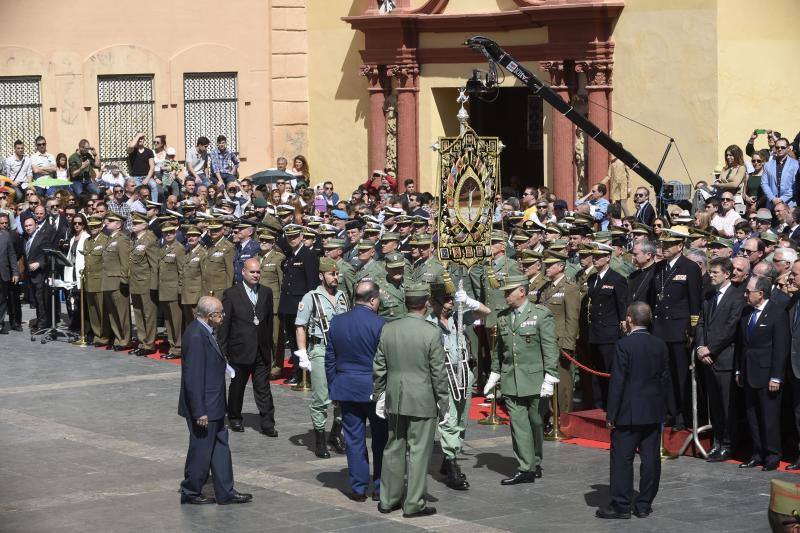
(761, 132)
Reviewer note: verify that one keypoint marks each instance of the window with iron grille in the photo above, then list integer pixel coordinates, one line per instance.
(209, 103)
(125, 106)
(20, 112)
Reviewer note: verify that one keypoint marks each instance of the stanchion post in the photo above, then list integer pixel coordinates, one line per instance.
(555, 434)
(304, 384)
(82, 339)
(493, 419)
(663, 453)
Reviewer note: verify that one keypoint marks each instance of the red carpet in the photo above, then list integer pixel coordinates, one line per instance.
(480, 408)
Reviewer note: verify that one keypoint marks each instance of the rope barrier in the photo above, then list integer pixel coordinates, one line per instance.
(584, 367)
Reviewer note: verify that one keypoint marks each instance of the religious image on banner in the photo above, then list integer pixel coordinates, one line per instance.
(468, 181)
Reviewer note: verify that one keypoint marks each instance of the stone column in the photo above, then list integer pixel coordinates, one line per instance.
(376, 130)
(563, 185)
(598, 88)
(407, 112)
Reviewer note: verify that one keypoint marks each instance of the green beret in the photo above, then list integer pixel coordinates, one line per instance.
(326, 264)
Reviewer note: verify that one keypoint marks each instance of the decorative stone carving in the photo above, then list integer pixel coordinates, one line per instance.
(406, 74)
(556, 71)
(598, 73)
(390, 112)
(373, 75)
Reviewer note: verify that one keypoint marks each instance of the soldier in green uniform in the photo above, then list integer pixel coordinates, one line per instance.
(501, 267)
(192, 273)
(426, 268)
(527, 361)
(453, 430)
(144, 284)
(218, 264)
(392, 293)
(411, 387)
(93, 247)
(116, 262)
(314, 315)
(368, 267)
(334, 249)
(272, 261)
(169, 288)
(563, 299)
(530, 263)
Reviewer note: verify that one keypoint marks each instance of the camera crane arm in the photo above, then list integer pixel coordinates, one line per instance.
(496, 55)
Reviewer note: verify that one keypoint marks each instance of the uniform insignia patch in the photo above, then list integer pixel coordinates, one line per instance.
(300, 306)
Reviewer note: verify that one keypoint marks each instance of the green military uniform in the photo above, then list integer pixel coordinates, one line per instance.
(116, 303)
(169, 289)
(502, 267)
(430, 270)
(192, 279)
(535, 284)
(143, 286)
(347, 277)
(372, 270)
(218, 267)
(392, 297)
(93, 247)
(315, 312)
(620, 266)
(409, 375)
(272, 277)
(526, 351)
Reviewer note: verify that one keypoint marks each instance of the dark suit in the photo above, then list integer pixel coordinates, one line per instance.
(34, 253)
(646, 215)
(762, 350)
(607, 303)
(300, 275)
(639, 286)
(8, 269)
(716, 330)
(793, 372)
(677, 295)
(248, 348)
(241, 254)
(637, 407)
(14, 303)
(352, 343)
(203, 394)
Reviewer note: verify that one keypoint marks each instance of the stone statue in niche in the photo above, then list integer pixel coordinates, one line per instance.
(386, 6)
(580, 162)
(390, 112)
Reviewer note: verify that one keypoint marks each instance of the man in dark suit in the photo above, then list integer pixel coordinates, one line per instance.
(202, 404)
(677, 294)
(8, 268)
(352, 341)
(607, 291)
(793, 372)
(762, 348)
(38, 238)
(300, 275)
(714, 345)
(645, 213)
(245, 337)
(57, 224)
(636, 409)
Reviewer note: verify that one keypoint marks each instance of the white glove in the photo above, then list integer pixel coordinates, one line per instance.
(303, 360)
(547, 386)
(380, 406)
(444, 414)
(462, 298)
(494, 377)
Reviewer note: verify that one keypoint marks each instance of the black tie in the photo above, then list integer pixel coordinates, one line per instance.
(52, 220)
(714, 303)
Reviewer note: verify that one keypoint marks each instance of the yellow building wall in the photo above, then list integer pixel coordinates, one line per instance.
(665, 76)
(82, 39)
(757, 83)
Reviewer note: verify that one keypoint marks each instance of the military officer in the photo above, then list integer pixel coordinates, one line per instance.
(404, 227)
(314, 315)
(562, 297)
(93, 247)
(169, 288)
(530, 262)
(607, 291)
(144, 284)
(411, 387)
(218, 261)
(192, 264)
(677, 289)
(500, 267)
(426, 267)
(392, 291)
(526, 365)
(300, 275)
(334, 249)
(364, 258)
(246, 248)
(453, 430)
(116, 264)
(272, 261)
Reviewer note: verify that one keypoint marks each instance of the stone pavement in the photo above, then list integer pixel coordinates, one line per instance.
(91, 441)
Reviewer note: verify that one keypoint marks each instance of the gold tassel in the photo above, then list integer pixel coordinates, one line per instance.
(449, 287)
(493, 282)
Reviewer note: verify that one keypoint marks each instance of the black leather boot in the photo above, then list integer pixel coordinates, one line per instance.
(454, 477)
(336, 439)
(321, 449)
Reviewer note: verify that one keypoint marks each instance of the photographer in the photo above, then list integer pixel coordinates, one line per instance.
(81, 168)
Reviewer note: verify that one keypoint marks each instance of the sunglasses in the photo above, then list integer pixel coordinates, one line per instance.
(41, 144)
(640, 195)
(34, 203)
(77, 223)
(756, 161)
(781, 147)
(727, 199)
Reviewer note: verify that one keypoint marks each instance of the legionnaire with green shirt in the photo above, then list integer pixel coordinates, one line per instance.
(144, 284)
(192, 273)
(426, 267)
(411, 388)
(93, 247)
(170, 276)
(563, 298)
(530, 262)
(314, 315)
(453, 430)
(334, 249)
(116, 262)
(272, 261)
(526, 365)
(392, 293)
(218, 264)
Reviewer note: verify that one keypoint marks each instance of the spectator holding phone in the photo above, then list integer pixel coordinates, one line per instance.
(81, 168)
